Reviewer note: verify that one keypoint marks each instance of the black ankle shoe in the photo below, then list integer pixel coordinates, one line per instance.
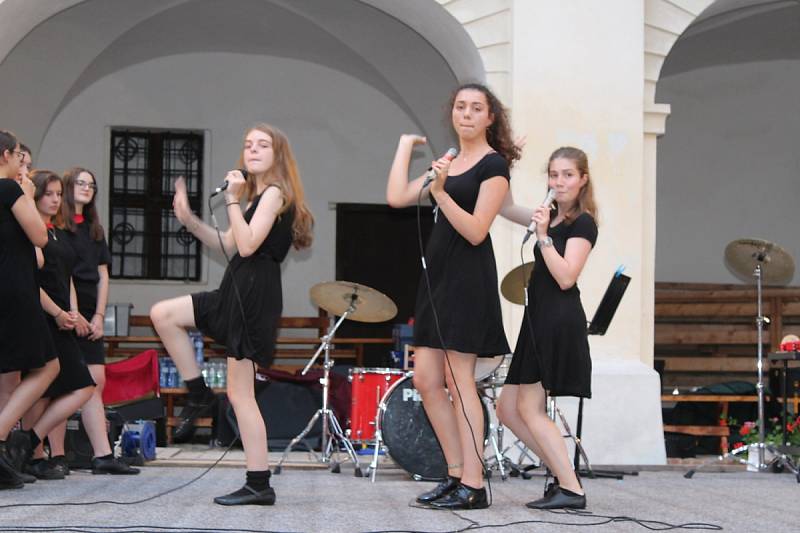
(25, 478)
(248, 496)
(18, 449)
(42, 470)
(59, 463)
(112, 466)
(9, 478)
(463, 497)
(194, 409)
(559, 499)
(444, 488)
(550, 487)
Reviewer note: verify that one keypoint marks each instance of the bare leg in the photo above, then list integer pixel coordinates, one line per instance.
(8, 382)
(461, 384)
(56, 439)
(429, 381)
(171, 318)
(26, 394)
(241, 393)
(531, 401)
(93, 414)
(508, 415)
(60, 409)
(29, 420)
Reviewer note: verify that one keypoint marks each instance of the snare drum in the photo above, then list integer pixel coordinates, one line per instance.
(408, 434)
(368, 387)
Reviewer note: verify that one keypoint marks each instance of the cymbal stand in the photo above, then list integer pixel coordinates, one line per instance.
(497, 459)
(333, 438)
(779, 459)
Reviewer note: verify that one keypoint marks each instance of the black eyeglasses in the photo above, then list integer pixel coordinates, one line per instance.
(19, 153)
(85, 185)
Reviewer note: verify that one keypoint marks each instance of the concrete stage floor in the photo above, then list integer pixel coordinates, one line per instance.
(311, 499)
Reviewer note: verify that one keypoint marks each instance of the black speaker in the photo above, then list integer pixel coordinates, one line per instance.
(286, 408)
(77, 447)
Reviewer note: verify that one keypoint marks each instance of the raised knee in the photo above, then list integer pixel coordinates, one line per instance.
(158, 313)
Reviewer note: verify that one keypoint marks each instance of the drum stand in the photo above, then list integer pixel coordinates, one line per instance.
(333, 438)
(779, 459)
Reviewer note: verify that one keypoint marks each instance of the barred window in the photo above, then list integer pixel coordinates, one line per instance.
(145, 238)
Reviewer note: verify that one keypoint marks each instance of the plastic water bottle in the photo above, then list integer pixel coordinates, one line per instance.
(197, 341)
(173, 375)
(222, 374)
(163, 372)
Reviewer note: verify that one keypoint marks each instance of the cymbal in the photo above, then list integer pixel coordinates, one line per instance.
(743, 255)
(370, 305)
(513, 285)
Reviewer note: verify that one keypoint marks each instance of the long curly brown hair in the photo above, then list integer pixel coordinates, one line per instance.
(498, 134)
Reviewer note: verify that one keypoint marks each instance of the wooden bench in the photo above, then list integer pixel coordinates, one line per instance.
(288, 348)
(706, 333)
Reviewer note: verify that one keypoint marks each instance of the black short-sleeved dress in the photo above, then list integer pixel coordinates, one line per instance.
(54, 276)
(90, 254)
(25, 341)
(463, 277)
(559, 357)
(249, 332)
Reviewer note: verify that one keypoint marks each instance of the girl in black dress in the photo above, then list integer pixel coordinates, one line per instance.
(243, 313)
(468, 194)
(90, 278)
(24, 342)
(10, 380)
(74, 385)
(555, 359)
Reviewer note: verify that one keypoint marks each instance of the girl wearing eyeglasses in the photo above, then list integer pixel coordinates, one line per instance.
(90, 276)
(22, 321)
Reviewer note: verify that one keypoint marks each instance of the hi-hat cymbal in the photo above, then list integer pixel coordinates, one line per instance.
(370, 305)
(513, 285)
(743, 255)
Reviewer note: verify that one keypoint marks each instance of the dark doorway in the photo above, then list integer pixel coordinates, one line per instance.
(377, 246)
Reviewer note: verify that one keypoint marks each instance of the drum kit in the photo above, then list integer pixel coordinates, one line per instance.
(386, 409)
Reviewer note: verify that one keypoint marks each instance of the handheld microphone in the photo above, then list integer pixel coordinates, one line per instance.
(551, 195)
(224, 185)
(431, 175)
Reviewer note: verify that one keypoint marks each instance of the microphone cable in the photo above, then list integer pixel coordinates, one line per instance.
(484, 470)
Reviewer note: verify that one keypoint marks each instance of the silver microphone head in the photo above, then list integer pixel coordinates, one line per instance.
(551, 195)
(451, 153)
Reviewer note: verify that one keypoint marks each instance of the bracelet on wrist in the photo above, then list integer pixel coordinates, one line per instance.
(101, 314)
(232, 203)
(60, 312)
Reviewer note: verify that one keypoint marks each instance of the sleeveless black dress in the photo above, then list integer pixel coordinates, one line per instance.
(54, 276)
(463, 277)
(249, 332)
(90, 254)
(559, 354)
(25, 341)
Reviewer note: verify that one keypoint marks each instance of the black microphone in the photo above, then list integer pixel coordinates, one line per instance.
(551, 195)
(224, 185)
(431, 175)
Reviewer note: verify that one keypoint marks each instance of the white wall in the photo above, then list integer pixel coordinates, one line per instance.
(343, 132)
(728, 166)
